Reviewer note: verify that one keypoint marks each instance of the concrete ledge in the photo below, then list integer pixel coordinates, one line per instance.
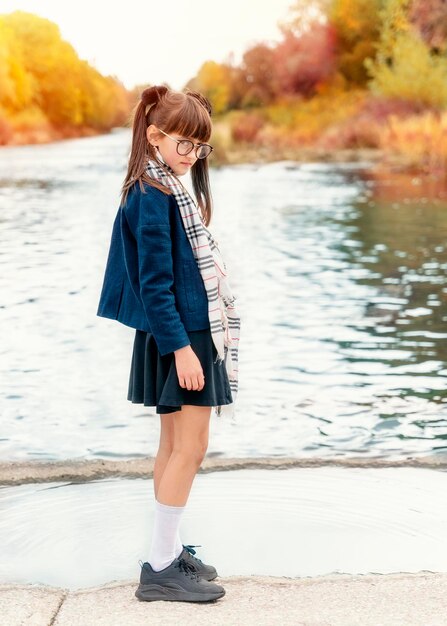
(30, 605)
(338, 600)
(84, 470)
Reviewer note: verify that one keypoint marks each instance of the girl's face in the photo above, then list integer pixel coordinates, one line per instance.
(167, 146)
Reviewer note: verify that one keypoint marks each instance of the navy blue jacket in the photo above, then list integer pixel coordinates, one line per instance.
(152, 281)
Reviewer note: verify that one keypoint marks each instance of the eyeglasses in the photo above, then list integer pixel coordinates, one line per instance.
(184, 147)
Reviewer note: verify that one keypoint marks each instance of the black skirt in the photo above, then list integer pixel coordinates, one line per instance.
(153, 379)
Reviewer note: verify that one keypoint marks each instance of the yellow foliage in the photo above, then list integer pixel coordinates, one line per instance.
(414, 75)
(15, 83)
(214, 81)
(43, 82)
(311, 117)
(404, 67)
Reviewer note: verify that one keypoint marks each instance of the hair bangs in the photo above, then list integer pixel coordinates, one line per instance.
(192, 120)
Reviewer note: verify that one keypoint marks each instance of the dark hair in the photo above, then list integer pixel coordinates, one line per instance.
(187, 114)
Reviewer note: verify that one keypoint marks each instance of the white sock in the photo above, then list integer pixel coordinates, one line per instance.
(178, 545)
(165, 535)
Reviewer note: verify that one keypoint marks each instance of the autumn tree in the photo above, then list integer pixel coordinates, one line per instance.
(42, 79)
(214, 81)
(305, 60)
(16, 84)
(357, 24)
(259, 74)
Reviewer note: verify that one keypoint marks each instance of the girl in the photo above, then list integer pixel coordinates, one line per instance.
(165, 277)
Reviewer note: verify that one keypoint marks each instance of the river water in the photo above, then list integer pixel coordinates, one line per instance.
(342, 292)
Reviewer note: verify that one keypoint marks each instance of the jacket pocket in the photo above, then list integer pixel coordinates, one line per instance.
(190, 271)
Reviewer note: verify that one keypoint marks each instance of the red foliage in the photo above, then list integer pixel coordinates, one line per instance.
(379, 108)
(430, 18)
(246, 126)
(258, 67)
(304, 61)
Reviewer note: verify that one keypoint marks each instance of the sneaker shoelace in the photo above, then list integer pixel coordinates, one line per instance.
(187, 568)
(190, 549)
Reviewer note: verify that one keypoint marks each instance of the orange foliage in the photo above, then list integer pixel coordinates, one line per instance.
(421, 139)
(357, 24)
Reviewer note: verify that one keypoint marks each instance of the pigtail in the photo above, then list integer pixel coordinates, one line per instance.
(200, 170)
(141, 150)
(201, 186)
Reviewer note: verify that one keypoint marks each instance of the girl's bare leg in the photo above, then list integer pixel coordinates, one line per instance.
(183, 444)
(165, 448)
(184, 439)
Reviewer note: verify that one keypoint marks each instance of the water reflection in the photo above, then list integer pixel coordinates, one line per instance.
(342, 295)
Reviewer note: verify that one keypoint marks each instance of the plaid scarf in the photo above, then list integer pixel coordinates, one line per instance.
(224, 319)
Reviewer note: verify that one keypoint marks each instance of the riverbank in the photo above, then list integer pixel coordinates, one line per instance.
(47, 134)
(380, 162)
(263, 154)
(389, 600)
(238, 154)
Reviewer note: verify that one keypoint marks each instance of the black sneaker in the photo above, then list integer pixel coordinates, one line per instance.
(179, 582)
(208, 572)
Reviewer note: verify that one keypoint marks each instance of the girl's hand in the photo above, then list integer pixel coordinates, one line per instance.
(189, 369)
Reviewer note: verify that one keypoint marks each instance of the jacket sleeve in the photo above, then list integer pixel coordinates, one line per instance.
(156, 275)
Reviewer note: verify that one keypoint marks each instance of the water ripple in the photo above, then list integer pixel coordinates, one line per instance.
(380, 520)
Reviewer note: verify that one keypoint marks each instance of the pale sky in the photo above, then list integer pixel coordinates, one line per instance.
(165, 41)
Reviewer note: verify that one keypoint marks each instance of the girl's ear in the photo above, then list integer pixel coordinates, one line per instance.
(151, 134)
